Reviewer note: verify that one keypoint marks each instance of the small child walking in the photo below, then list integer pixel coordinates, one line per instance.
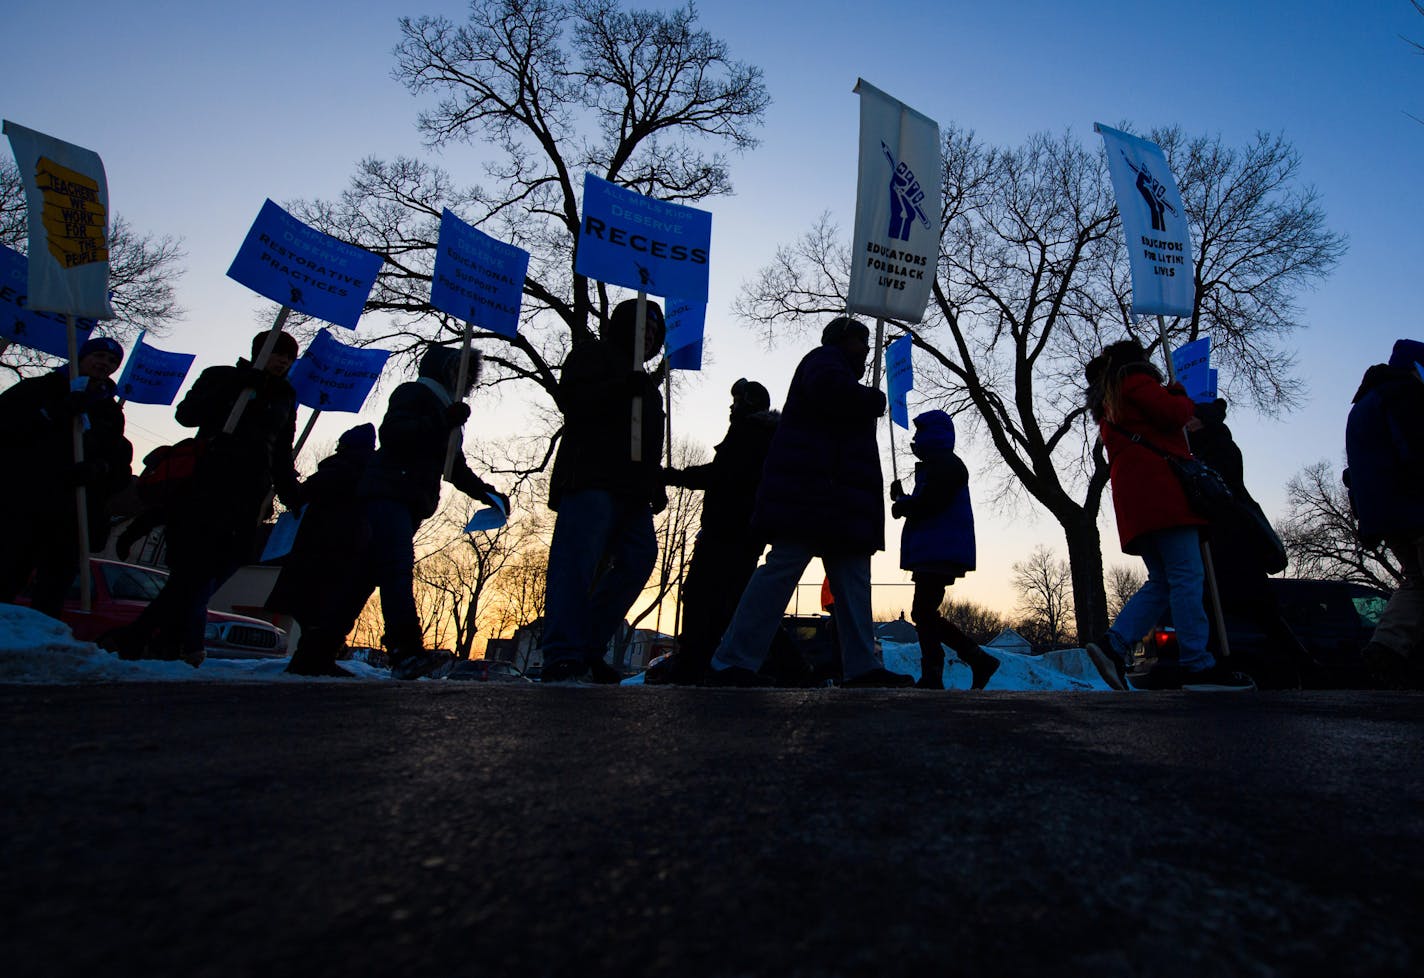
(937, 547)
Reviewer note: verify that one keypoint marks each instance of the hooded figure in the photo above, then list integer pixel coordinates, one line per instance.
(37, 437)
(399, 490)
(937, 546)
(1384, 446)
(603, 547)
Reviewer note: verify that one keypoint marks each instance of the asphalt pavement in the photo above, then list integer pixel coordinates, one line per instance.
(477, 829)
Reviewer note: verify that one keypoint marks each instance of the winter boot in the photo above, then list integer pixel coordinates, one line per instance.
(982, 665)
(931, 670)
(316, 655)
(409, 662)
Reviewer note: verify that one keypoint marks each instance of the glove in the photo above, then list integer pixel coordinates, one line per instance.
(493, 497)
(672, 477)
(249, 376)
(88, 472)
(884, 403)
(294, 497)
(896, 490)
(457, 414)
(897, 508)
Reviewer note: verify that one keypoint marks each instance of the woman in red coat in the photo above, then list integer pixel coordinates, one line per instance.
(1154, 521)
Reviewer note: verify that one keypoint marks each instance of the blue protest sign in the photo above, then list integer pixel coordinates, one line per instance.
(644, 244)
(283, 536)
(153, 376)
(43, 331)
(1192, 364)
(899, 379)
(492, 517)
(477, 278)
(332, 376)
(685, 322)
(301, 267)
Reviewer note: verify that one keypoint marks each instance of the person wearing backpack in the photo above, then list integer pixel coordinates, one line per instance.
(1384, 448)
(1140, 418)
(212, 524)
(37, 437)
(937, 547)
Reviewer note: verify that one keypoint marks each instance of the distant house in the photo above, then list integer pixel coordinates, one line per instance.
(1011, 641)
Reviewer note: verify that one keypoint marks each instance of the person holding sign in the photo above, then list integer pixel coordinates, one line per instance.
(399, 490)
(937, 547)
(1138, 417)
(605, 500)
(36, 418)
(820, 496)
(212, 527)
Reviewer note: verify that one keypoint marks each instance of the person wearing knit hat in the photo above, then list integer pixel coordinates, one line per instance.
(1384, 449)
(212, 529)
(37, 420)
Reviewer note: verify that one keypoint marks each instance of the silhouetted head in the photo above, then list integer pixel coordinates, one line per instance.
(624, 320)
(99, 357)
(284, 352)
(852, 338)
(442, 365)
(934, 430)
(748, 398)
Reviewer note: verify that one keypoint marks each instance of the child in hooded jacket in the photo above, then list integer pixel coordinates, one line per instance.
(937, 547)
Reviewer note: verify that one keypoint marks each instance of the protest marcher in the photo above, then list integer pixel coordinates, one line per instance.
(603, 547)
(399, 490)
(332, 535)
(937, 547)
(1241, 572)
(727, 547)
(1384, 449)
(820, 496)
(37, 437)
(212, 526)
(1127, 398)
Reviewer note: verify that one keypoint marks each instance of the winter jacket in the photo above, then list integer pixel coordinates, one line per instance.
(1146, 494)
(939, 520)
(730, 480)
(822, 485)
(36, 436)
(415, 434)
(1384, 448)
(238, 469)
(332, 535)
(595, 393)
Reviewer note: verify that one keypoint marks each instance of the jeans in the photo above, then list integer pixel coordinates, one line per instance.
(595, 531)
(1174, 580)
(748, 638)
(1402, 624)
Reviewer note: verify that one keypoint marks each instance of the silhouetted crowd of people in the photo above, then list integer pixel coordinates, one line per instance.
(783, 487)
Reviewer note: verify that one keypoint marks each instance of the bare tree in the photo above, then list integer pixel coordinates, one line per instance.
(982, 624)
(545, 90)
(518, 599)
(1321, 533)
(1121, 582)
(1045, 588)
(143, 273)
(1032, 281)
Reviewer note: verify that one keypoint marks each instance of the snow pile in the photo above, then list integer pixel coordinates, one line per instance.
(35, 648)
(1066, 670)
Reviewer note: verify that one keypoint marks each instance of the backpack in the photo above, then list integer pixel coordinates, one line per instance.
(169, 471)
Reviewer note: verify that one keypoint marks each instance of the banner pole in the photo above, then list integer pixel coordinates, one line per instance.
(81, 494)
(879, 342)
(248, 393)
(306, 432)
(1208, 566)
(457, 434)
(640, 324)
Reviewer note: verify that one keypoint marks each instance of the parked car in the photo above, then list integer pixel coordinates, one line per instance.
(119, 592)
(487, 671)
(1332, 619)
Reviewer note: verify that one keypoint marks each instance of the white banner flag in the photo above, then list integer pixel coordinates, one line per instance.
(897, 218)
(68, 200)
(1159, 242)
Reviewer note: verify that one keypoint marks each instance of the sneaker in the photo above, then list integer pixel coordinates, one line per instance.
(1105, 658)
(568, 672)
(734, 677)
(1162, 675)
(425, 664)
(1218, 678)
(602, 674)
(879, 678)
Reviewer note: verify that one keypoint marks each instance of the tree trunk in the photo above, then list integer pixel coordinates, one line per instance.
(1085, 560)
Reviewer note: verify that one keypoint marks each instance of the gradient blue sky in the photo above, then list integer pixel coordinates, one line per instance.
(200, 112)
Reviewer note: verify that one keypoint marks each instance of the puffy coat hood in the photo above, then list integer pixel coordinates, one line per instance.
(1406, 354)
(933, 430)
(619, 328)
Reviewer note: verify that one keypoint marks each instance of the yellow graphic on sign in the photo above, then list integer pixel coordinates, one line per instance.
(73, 216)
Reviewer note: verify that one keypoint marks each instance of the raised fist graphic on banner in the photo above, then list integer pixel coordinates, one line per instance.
(905, 199)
